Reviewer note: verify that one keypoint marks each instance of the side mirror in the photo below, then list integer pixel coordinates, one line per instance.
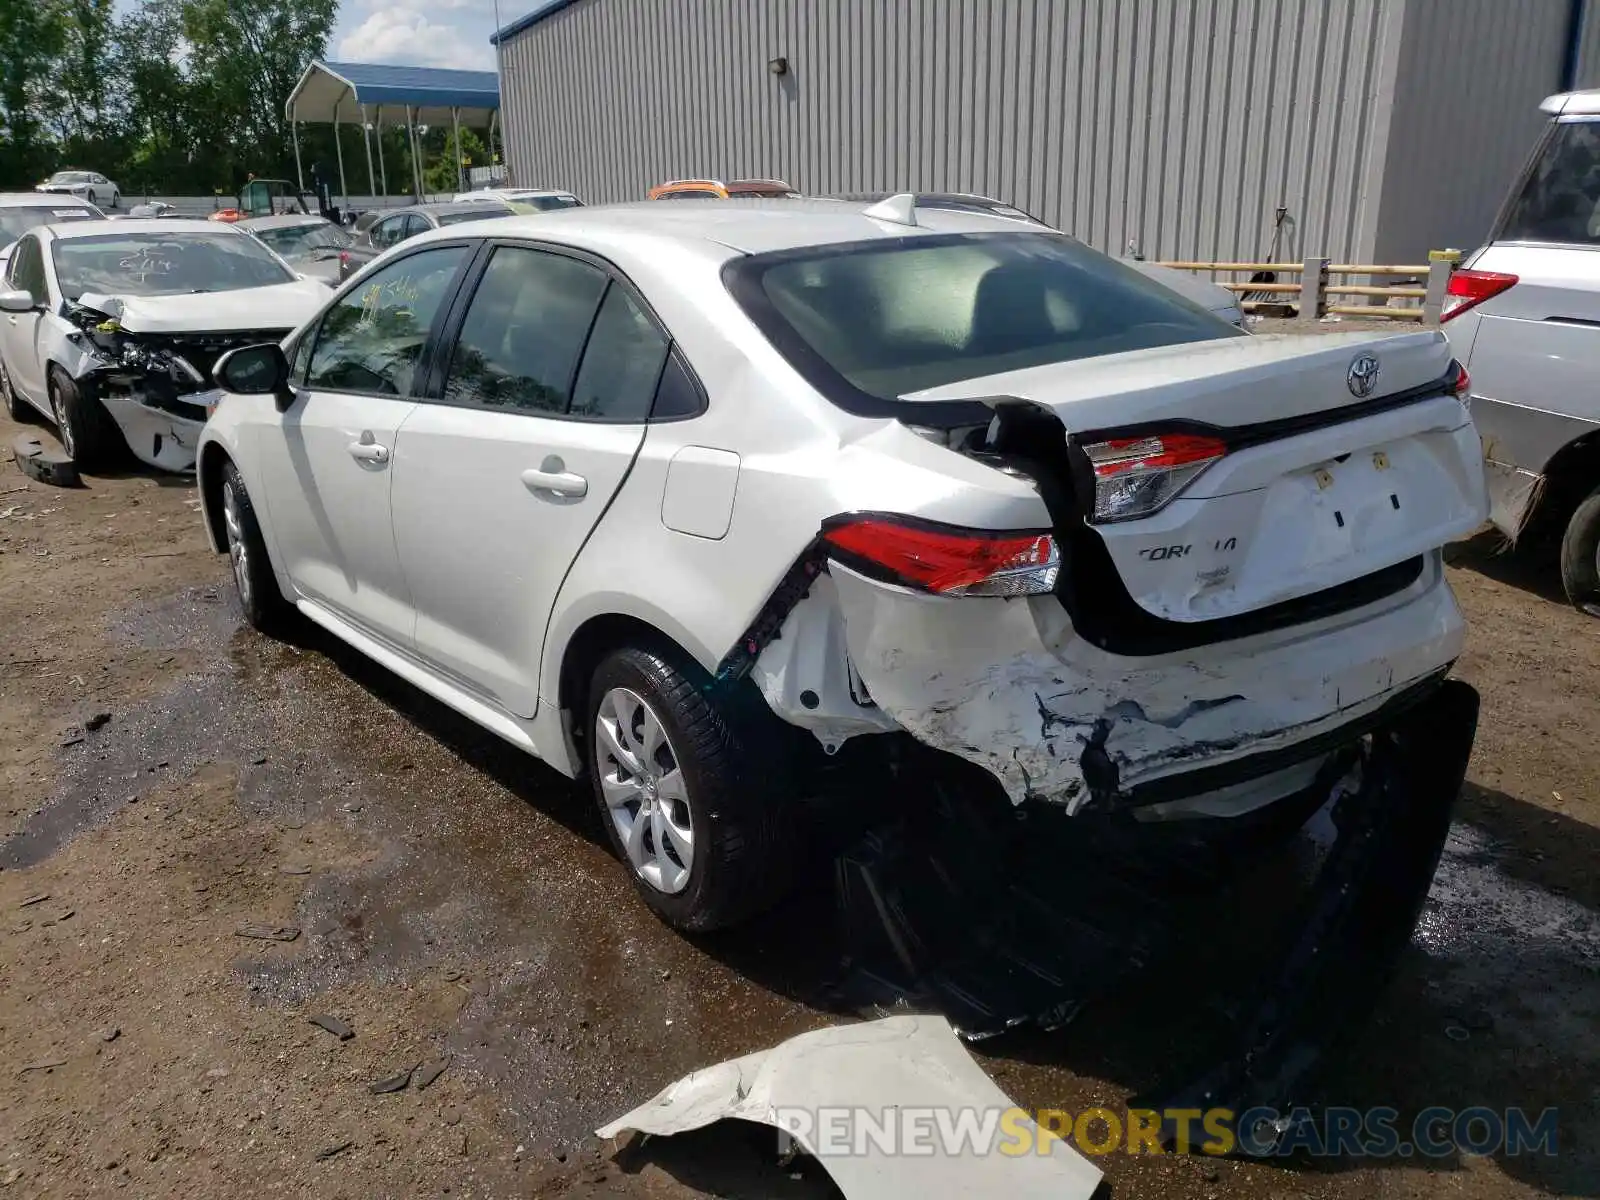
(16, 302)
(256, 371)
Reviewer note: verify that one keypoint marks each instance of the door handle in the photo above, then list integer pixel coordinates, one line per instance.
(562, 483)
(368, 452)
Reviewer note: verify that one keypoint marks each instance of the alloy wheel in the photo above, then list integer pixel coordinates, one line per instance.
(645, 791)
(58, 407)
(238, 551)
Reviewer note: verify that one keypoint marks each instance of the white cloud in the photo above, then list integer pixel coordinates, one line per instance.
(402, 33)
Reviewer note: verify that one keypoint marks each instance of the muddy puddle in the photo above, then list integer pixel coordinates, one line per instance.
(482, 867)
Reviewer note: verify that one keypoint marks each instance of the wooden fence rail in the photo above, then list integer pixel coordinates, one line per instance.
(1419, 298)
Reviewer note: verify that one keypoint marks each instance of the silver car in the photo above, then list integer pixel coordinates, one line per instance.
(1524, 316)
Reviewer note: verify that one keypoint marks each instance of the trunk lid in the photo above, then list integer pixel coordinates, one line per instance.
(1321, 485)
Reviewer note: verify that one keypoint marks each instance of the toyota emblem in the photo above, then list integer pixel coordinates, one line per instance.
(1363, 376)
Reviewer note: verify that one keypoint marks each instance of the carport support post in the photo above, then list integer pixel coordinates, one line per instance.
(455, 134)
(338, 149)
(383, 171)
(366, 140)
(294, 132)
(505, 171)
(411, 145)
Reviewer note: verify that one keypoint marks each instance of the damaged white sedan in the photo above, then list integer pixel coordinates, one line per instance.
(684, 501)
(111, 328)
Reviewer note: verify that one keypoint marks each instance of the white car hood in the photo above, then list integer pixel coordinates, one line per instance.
(280, 306)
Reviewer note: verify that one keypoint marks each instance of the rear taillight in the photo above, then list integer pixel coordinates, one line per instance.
(344, 258)
(1134, 477)
(946, 560)
(1461, 385)
(1467, 289)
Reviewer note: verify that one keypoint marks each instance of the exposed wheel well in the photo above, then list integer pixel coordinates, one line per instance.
(1570, 475)
(592, 641)
(209, 472)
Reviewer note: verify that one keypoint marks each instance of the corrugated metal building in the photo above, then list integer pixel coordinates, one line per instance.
(1383, 128)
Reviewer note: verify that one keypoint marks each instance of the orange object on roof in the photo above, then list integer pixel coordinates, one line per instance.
(715, 189)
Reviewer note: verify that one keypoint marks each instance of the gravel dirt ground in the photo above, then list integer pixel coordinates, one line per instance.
(169, 781)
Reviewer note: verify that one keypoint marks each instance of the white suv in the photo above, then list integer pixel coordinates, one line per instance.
(1524, 315)
(676, 496)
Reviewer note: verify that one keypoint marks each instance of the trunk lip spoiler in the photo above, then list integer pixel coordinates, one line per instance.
(1237, 437)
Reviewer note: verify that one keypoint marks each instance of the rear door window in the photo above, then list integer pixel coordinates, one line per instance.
(524, 331)
(622, 362)
(1559, 199)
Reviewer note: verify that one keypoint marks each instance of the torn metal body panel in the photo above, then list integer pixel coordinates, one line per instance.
(154, 381)
(1016, 690)
(158, 437)
(851, 1096)
(807, 678)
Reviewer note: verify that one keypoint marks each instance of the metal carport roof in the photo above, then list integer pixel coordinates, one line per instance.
(372, 95)
(338, 91)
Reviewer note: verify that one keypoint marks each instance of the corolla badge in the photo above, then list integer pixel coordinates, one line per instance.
(1363, 375)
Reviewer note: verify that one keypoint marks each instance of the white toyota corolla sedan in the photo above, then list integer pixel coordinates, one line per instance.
(681, 498)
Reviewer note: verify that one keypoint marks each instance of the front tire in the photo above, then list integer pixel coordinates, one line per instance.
(698, 820)
(1580, 556)
(90, 196)
(88, 434)
(263, 604)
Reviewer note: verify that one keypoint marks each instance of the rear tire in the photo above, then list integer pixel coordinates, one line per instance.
(1580, 556)
(699, 815)
(88, 434)
(263, 603)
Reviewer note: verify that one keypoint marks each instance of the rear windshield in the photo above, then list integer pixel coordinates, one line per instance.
(296, 241)
(885, 319)
(14, 222)
(1559, 200)
(482, 212)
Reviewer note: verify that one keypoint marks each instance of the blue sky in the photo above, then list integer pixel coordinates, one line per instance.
(421, 33)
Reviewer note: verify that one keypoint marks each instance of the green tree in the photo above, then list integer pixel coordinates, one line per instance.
(250, 57)
(439, 170)
(33, 36)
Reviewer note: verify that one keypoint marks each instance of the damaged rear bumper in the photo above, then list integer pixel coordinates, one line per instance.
(1010, 686)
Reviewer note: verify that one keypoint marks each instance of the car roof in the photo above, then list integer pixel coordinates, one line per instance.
(735, 226)
(449, 206)
(508, 193)
(1572, 104)
(145, 225)
(38, 200)
(282, 220)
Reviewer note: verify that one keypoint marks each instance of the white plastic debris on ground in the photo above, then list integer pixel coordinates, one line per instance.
(893, 1110)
